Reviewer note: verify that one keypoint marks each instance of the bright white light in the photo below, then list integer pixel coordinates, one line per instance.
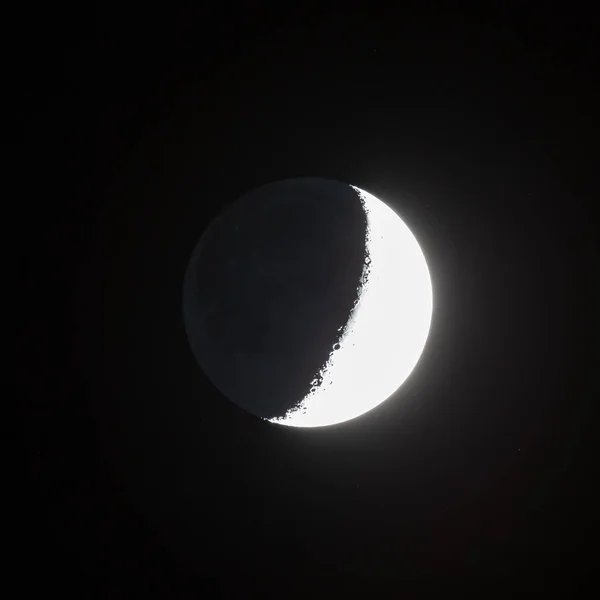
(387, 329)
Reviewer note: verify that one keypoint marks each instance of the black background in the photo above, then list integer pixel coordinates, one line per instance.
(136, 128)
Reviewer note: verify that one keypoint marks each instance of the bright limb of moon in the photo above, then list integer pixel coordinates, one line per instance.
(386, 332)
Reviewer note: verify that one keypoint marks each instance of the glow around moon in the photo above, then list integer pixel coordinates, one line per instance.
(386, 332)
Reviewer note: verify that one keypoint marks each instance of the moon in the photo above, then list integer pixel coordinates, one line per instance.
(386, 332)
(308, 302)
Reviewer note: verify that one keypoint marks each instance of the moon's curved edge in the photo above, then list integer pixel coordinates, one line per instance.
(386, 311)
(344, 331)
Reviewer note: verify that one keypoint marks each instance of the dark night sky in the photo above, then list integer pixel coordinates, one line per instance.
(136, 130)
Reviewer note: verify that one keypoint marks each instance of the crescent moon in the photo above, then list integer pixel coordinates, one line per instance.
(386, 332)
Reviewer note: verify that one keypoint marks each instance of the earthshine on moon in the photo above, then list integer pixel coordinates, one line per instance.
(377, 346)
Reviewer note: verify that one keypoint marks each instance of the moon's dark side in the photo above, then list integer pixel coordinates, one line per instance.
(268, 286)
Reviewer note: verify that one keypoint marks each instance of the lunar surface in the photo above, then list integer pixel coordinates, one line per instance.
(308, 302)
